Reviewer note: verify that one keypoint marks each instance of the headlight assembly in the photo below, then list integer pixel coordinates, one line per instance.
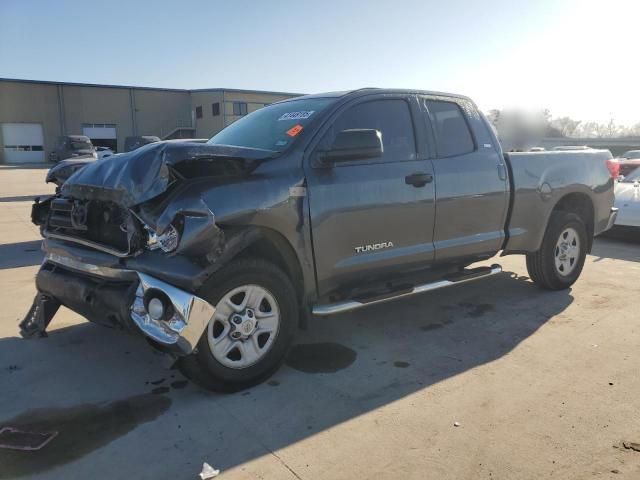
(167, 241)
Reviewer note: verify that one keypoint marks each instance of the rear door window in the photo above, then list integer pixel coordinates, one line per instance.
(391, 117)
(450, 127)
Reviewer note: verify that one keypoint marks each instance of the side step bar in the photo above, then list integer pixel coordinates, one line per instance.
(463, 277)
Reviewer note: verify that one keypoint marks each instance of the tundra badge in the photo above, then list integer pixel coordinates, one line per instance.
(373, 246)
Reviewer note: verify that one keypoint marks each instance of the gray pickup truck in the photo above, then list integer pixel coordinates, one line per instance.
(321, 204)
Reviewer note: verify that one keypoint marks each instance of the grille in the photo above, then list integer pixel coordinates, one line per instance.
(100, 223)
(62, 215)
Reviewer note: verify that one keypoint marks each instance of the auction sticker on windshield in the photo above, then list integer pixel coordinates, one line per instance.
(296, 115)
(295, 130)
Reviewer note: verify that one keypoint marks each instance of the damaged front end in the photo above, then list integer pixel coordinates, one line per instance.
(120, 253)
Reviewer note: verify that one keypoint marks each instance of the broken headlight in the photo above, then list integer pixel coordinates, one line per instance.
(167, 241)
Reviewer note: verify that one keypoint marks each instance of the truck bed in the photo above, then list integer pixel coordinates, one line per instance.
(540, 180)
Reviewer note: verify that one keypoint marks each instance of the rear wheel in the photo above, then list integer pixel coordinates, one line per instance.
(252, 329)
(558, 263)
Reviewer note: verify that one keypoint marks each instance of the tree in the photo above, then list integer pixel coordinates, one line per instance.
(611, 129)
(494, 116)
(566, 126)
(524, 127)
(633, 131)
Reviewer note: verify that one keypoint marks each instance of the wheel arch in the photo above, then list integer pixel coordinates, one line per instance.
(272, 246)
(266, 244)
(582, 205)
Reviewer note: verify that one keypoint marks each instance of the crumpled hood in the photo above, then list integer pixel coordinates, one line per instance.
(135, 177)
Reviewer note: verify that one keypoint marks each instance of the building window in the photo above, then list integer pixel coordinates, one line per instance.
(215, 109)
(198, 112)
(98, 125)
(23, 148)
(239, 108)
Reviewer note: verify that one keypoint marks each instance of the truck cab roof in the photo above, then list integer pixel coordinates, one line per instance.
(369, 90)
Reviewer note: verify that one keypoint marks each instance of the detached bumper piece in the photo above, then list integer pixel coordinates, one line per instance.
(170, 317)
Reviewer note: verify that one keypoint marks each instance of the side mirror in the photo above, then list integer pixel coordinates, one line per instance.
(354, 144)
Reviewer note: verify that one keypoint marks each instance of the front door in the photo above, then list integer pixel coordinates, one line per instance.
(372, 219)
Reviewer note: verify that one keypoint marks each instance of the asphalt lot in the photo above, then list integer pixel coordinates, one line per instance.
(543, 385)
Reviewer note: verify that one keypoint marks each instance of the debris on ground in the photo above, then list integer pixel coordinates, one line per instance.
(208, 471)
(14, 439)
(631, 446)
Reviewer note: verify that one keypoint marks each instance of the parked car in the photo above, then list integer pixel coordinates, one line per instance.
(74, 146)
(131, 143)
(320, 204)
(628, 200)
(61, 171)
(629, 161)
(103, 152)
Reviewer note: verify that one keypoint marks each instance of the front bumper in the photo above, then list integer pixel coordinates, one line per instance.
(116, 296)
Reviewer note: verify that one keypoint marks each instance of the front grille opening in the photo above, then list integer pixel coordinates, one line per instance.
(103, 223)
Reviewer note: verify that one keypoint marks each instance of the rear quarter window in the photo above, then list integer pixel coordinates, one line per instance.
(450, 127)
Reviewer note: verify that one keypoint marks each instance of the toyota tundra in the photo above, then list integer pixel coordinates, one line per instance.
(316, 205)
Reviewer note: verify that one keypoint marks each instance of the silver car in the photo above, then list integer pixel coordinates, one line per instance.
(628, 200)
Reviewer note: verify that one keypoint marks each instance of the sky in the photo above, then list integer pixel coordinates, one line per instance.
(579, 58)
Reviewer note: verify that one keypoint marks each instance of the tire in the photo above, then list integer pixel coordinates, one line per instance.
(241, 368)
(558, 263)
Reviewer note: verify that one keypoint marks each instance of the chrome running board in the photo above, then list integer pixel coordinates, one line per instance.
(463, 277)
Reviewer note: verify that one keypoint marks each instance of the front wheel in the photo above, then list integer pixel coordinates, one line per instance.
(558, 263)
(252, 328)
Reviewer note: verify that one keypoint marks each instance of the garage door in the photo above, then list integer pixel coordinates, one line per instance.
(101, 134)
(23, 142)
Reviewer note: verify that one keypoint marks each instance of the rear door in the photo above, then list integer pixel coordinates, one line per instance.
(471, 182)
(369, 219)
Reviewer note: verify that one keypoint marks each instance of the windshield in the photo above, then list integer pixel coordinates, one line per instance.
(634, 176)
(273, 127)
(81, 146)
(632, 154)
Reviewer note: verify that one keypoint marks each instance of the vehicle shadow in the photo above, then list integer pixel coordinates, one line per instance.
(619, 245)
(20, 254)
(360, 362)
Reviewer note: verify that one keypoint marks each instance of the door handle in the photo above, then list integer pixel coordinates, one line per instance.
(419, 179)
